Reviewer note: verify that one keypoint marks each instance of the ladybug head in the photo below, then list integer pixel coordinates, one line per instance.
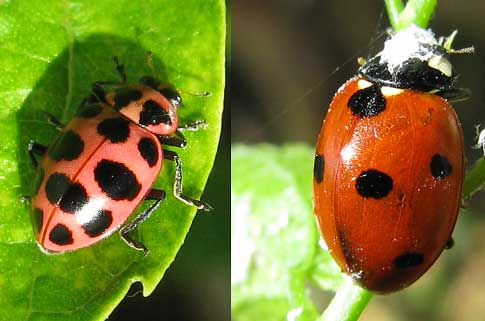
(412, 58)
(145, 106)
(165, 89)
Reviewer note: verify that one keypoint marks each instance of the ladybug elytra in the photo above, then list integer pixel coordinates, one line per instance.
(103, 163)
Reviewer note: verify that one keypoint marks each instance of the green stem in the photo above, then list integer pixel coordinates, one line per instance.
(348, 303)
(474, 179)
(394, 9)
(416, 12)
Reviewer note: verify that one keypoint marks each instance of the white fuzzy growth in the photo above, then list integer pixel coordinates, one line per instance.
(406, 44)
(481, 140)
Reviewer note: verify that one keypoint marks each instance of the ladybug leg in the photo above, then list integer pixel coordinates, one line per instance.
(35, 148)
(455, 95)
(89, 100)
(193, 126)
(54, 121)
(153, 194)
(450, 243)
(25, 198)
(177, 185)
(120, 69)
(177, 140)
(99, 94)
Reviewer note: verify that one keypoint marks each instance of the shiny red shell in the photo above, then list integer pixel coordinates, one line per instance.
(100, 167)
(387, 182)
(83, 224)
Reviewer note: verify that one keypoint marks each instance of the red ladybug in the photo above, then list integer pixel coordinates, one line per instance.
(103, 164)
(389, 165)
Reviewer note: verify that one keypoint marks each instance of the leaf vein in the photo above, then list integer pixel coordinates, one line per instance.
(69, 33)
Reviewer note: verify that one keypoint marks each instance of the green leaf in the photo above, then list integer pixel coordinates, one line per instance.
(275, 251)
(52, 51)
(474, 179)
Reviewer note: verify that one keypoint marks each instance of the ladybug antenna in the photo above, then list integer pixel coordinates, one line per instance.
(467, 50)
(448, 42)
(149, 61)
(120, 69)
(198, 94)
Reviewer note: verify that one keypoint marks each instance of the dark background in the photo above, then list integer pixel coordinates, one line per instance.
(288, 59)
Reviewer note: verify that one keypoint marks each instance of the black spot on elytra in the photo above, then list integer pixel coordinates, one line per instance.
(56, 186)
(344, 245)
(440, 167)
(37, 219)
(67, 147)
(116, 180)
(148, 150)
(61, 235)
(408, 259)
(373, 183)
(318, 168)
(99, 223)
(89, 111)
(367, 102)
(116, 129)
(352, 262)
(39, 177)
(74, 198)
(123, 96)
(154, 114)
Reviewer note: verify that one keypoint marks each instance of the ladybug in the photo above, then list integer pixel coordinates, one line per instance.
(389, 165)
(103, 163)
